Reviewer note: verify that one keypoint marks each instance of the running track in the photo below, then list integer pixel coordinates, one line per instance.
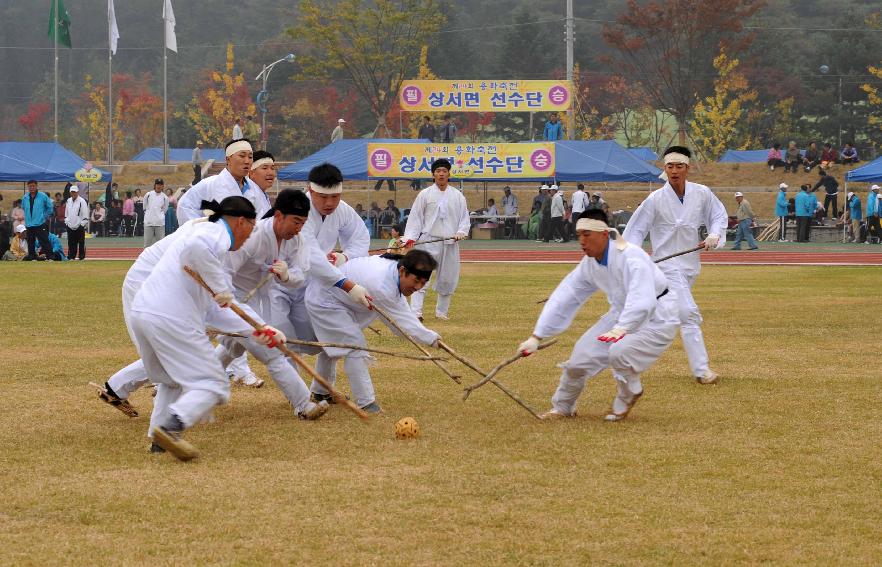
(759, 258)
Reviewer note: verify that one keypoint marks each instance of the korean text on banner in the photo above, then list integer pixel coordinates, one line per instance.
(471, 161)
(486, 96)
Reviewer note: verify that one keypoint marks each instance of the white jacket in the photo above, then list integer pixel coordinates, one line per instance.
(76, 213)
(155, 206)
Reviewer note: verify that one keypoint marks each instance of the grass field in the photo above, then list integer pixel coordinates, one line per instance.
(779, 463)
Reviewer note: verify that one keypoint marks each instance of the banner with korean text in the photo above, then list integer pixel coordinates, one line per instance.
(472, 161)
(486, 96)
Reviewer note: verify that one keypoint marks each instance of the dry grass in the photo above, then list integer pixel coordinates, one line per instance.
(780, 463)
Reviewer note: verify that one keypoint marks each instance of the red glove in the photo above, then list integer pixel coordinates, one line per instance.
(270, 336)
(409, 243)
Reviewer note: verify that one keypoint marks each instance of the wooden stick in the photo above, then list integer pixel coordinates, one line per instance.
(496, 383)
(489, 377)
(384, 248)
(374, 330)
(214, 332)
(340, 398)
(259, 285)
(413, 341)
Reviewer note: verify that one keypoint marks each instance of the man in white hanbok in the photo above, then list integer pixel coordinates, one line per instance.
(336, 318)
(639, 326)
(232, 181)
(168, 320)
(672, 216)
(438, 211)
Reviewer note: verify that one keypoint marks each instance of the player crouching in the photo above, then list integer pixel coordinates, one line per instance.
(640, 324)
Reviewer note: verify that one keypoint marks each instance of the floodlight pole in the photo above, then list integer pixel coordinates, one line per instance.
(570, 41)
(263, 95)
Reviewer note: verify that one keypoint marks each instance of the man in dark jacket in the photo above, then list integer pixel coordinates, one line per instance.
(831, 187)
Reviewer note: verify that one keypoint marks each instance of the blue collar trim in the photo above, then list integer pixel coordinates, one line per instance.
(229, 231)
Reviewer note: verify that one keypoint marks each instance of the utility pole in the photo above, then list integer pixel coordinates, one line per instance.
(571, 122)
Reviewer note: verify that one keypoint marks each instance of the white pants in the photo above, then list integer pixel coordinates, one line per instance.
(288, 313)
(129, 379)
(153, 234)
(337, 325)
(445, 278)
(283, 374)
(690, 322)
(191, 380)
(628, 358)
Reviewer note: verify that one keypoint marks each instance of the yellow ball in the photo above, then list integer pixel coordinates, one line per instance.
(407, 428)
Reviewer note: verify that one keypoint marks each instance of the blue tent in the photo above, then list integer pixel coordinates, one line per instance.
(178, 154)
(869, 172)
(602, 160)
(47, 162)
(644, 153)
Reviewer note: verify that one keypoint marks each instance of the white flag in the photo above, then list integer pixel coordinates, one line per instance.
(111, 22)
(171, 42)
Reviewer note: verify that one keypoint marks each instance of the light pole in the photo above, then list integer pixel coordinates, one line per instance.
(262, 96)
(824, 69)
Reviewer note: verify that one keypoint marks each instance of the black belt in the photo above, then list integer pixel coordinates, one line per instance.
(662, 294)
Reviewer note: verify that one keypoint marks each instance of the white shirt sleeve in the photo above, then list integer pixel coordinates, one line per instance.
(640, 301)
(354, 236)
(717, 220)
(188, 205)
(464, 221)
(414, 227)
(640, 222)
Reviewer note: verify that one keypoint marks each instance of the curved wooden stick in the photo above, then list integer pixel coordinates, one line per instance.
(215, 332)
(259, 285)
(422, 349)
(384, 248)
(490, 377)
(340, 398)
(496, 383)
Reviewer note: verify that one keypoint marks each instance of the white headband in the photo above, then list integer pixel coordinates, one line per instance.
(675, 157)
(332, 190)
(236, 147)
(262, 161)
(594, 225)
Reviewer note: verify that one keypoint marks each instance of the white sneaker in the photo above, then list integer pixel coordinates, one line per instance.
(442, 316)
(622, 403)
(710, 377)
(313, 411)
(249, 380)
(553, 414)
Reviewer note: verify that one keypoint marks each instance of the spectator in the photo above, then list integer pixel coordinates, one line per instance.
(337, 133)
(781, 211)
(492, 212)
(427, 130)
(580, 203)
(853, 204)
(114, 220)
(792, 158)
(447, 131)
(128, 214)
(360, 210)
(155, 209)
(774, 158)
(805, 208)
(557, 212)
(76, 220)
(849, 154)
(812, 157)
(831, 188)
(829, 156)
(510, 210)
(171, 216)
(237, 130)
(545, 227)
(59, 214)
(393, 213)
(394, 245)
(37, 211)
(597, 203)
(873, 228)
(553, 129)
(744, 214)
(139, 213)
(98, 216)
(251, 129)
(538, 199)
(18, 248)
(17, 214)
(197, 162)
(54, 252)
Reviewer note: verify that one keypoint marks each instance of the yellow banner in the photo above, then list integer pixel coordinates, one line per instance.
(473, 161)
(486, 96)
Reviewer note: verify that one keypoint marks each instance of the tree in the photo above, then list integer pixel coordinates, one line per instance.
(715, 119)
(371, 43)
(669, 46)
(36, 121)
(874, 92)
(304, 126)
(222, 98)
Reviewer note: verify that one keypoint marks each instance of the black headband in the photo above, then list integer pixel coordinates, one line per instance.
(230, 210)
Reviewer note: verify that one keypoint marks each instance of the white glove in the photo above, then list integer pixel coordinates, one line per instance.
(529, 346)
(270, 336)
(280, 268)
(359, 295)
(460, 236)
(613, 335)
(224, 298)
(711, 241)
(337, 258)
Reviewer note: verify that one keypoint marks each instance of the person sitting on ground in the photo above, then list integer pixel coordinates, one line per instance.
(774, 158)
(56, 252)
(811, 158)
(792, 158)
(98, 215)
(829, 156)
(18, 248)
(849, 154)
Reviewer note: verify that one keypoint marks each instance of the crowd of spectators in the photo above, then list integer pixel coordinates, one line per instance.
(792, 159)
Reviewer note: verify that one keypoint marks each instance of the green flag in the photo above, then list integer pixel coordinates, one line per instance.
(63, 23)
